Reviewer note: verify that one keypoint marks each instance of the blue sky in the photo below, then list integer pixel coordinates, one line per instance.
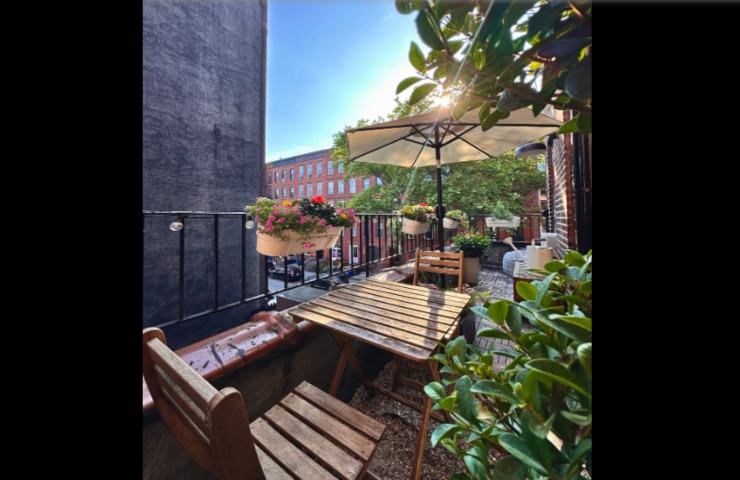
(330, 63)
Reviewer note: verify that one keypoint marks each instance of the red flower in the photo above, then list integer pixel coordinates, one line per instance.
(423, 204)
(318, 199)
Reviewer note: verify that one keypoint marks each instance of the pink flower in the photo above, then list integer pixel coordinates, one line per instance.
(303, 220)
(268, 228)
(309, 245)
(322, 222)
(271, 218)
(281, 220)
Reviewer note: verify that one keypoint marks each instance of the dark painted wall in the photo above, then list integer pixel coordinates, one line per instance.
(204, 110)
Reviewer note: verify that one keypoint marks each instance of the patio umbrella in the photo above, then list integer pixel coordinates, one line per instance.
(436, 138)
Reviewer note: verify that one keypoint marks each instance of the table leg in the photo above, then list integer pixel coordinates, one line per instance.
(353, 362)
(421, 439)
(343, 359)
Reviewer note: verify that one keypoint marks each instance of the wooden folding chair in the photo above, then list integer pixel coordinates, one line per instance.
(448, 263)
(309, 435)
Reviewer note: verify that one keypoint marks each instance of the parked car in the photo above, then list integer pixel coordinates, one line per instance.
(294, 273)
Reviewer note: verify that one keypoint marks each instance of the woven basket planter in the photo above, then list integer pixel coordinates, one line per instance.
(412, 227)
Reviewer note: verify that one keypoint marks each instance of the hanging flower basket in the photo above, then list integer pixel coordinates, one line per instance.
(412, 227)
(494, 222)
(292, 227)
(294, 244)
(450, 224)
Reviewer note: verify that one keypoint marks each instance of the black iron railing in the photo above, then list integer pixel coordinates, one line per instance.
(377, 237)
(528, 229)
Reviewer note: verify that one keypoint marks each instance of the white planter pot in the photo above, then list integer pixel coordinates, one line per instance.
(293, 244)
(471, 268)
(493, 222)
(412, 227)
(450, 224)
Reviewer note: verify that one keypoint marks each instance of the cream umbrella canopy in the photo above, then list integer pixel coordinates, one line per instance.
(436, 138)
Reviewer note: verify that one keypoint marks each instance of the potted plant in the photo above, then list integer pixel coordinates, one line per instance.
(472, 245)
(502, 217)
(452, 219)
(416, 218)
(298, 226)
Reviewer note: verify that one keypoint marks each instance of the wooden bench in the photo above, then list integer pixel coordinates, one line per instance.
(308, 435)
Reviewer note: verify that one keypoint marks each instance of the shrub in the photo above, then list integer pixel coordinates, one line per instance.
(535, 413)
(501, 211)
(472, 244)
(455, 215)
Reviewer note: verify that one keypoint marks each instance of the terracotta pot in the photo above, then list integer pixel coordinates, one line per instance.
(471, 268)
(294, 244)
(450, 224)
(412, 227)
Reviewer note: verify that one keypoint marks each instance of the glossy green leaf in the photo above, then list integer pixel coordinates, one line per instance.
(455, 45)
(574, 258)
(586, 287)
(421, 91)
(583, 322)
(406, 83)
(493, 389)
(578, 419)
(444, 430)
(435, 391)
(584, 123)
(476, 467)
(416, 58)
(571, 126)
(466, 403)
(526, 290)
(542, 287)
(407, 6)
(509, 468)
(449, 404)
(494, 333)
(584, 356)
(514, 321)
(492, 119)
(557, 372)
(515, 445)
(579, 454)
(456, 347)
(555, 266)
(427, 30)
(497, 312)
(480, 310)
(571, 331)
(451, 446)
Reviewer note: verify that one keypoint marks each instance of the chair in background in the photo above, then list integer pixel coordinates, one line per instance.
(447, 263)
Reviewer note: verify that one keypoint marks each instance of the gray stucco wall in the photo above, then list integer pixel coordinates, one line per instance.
(203, 135)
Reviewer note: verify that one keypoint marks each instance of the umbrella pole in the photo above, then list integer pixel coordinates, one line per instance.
(440, 206)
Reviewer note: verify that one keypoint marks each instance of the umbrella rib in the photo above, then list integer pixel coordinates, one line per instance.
(463, 133)
(464, 140)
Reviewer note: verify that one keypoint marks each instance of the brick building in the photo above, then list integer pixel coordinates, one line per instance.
(569, 190)
(311, 174)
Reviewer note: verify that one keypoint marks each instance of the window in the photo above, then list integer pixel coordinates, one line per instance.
(366, 184)
(277, 193)
(378, 181)
(310, 170)
(284, 192)
(276, 176)
(354, 231)
(319, 188)
(330, 167)
(300, 190)
(340, 168)
(292, 174)
(300, 171)
(319, 168)
(292, 192)
(340, 186)
(352, 186)
(330, 187)
(283, 175)
(309, 189)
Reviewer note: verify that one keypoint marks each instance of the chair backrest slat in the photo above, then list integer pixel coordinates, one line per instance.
(434, 262)
(211, 425)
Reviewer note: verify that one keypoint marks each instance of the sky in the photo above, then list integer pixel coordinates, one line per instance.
(329, 64)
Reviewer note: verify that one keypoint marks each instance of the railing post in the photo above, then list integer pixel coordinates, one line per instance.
(215, 260)
(182, 269)
(367, 246)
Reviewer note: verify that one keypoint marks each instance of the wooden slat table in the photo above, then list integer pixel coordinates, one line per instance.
(408, 321)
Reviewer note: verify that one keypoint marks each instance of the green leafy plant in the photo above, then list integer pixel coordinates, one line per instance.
(531, 418)
(422, 212)
(455, 215)
(527, 53)
(501, 211)
(472, 244)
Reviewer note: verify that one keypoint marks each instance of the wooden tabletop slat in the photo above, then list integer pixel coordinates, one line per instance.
(454, 302)
(381, 309)
(336, 302)
(446, 293)
(388, 331)
(376, 301)
(394, 346)
(339, 312)
(340, 461)
(288, 455)
(366, 424)
(322, 421)
(454, 310)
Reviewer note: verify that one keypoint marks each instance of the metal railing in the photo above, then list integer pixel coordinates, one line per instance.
(378, 238)
(528, 230)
